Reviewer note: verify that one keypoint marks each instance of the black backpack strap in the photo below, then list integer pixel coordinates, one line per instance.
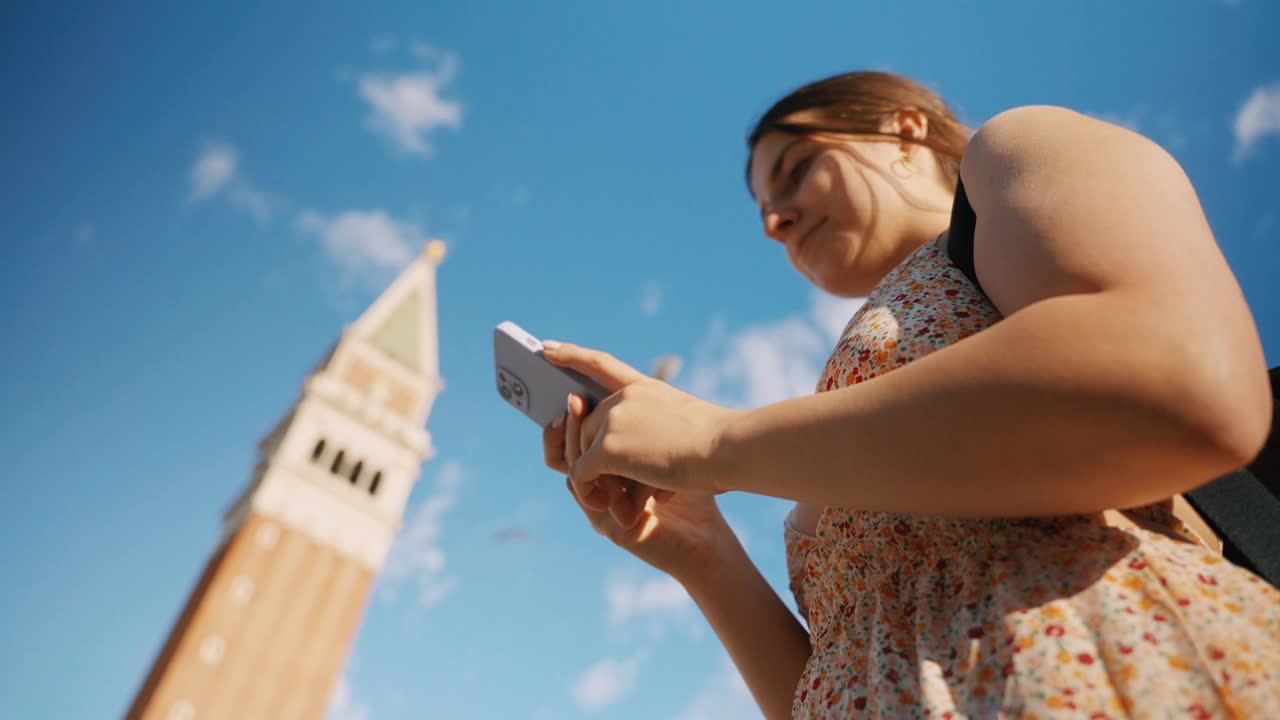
(1242, 507)
(1246, 517)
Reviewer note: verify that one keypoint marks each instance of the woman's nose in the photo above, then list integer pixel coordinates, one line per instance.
(779, 223)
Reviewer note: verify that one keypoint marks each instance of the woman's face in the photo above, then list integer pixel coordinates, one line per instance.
(842, 205)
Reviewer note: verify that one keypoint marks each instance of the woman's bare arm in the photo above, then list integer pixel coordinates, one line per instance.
(766, 642)
(1127, 368)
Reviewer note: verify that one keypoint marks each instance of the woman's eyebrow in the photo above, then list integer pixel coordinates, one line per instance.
(777, 162)
(777, 167)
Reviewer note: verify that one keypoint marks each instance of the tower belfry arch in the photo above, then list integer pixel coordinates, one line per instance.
(266, 629)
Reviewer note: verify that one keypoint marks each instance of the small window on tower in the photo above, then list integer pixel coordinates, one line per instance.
(318, 451)
(212, 649)
(182, 710)
(373, 486)
(355, 472)
(241, 589)
(336, 467)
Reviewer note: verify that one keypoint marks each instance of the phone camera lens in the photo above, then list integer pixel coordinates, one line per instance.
(519, 390)
(505, 392)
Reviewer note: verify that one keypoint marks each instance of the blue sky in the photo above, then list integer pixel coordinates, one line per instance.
(197, 200)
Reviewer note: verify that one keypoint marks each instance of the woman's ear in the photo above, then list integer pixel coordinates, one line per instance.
(906, 123)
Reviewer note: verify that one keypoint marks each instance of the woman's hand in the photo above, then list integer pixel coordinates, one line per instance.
(562, 445)
(681, 535)
(646, 430)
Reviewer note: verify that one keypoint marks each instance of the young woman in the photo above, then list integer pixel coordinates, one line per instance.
(956, 546)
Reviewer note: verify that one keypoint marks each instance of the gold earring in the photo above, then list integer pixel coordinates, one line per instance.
(904, 159)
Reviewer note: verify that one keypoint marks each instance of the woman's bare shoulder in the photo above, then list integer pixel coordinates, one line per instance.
(1016, 143)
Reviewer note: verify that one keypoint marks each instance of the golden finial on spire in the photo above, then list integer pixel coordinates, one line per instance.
(434, 251)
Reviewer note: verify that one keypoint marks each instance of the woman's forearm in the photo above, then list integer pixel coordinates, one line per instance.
(1040, 414)
(766, 642)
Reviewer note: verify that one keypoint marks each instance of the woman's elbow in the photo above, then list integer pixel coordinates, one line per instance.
(1234, 418)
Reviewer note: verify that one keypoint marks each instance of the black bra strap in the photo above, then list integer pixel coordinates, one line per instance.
(960, 236)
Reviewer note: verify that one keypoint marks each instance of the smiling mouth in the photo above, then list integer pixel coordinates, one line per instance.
(804, 239)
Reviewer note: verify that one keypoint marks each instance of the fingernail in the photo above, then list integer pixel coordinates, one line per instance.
(550, 344)
(557, 422)
(568, 402)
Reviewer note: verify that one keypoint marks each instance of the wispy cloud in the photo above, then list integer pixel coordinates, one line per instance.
(427, 52)
(342, 704)
(216, 171)
(651, 299)
(605, 682)
(630, 598)
(408, 107)
(416, 556)
(1257, 118)
(724, 696)
(252, 201)
(832, 314)
(1131, 121)
(213, 169)
(766, 363)
(368, 245)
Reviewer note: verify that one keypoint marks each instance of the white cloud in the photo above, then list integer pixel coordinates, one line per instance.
(832, 314)
(426, 51)
(607, 681)
(766, 363)
(630, 598)
(1258, 117)
(724, 696)
(213, 169)
(367, 244)
(252, 201)
(217, 171)
(757, 366)
(651, 299)
(416, 555)
(408, 107)
(342, 705)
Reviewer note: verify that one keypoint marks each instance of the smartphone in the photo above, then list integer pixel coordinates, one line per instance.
(527, 381)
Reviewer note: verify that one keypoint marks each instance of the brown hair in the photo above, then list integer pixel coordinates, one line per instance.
(857, 103)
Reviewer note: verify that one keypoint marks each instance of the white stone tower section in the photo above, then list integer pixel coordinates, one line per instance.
(266, 630)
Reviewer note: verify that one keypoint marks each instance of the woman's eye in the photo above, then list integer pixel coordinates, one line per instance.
(798, 170)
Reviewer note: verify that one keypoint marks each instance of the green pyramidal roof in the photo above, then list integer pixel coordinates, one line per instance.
(398, 334)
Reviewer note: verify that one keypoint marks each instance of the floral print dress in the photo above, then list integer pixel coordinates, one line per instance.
(932, 617)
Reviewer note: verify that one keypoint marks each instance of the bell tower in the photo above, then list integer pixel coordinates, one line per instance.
(268, 625)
